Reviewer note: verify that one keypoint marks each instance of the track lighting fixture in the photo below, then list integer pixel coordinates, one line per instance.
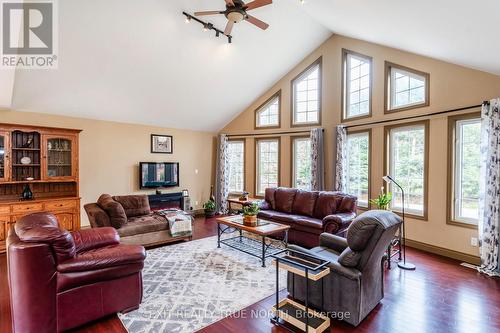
(207, 26)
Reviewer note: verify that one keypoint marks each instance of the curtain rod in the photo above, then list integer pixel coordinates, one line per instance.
(272, 133)
(417, 116)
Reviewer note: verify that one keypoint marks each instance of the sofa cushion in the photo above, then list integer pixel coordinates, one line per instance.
(115, 210)
(143, 224)
(326, 204)
(309, 222)
(304, 202)
(279, 217)
(134, 205)
(284, 199)
(348, 203)
(269, 197)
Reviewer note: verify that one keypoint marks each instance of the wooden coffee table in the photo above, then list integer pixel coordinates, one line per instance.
(251, 246)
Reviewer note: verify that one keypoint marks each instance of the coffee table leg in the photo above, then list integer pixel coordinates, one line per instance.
(286, 238)
(263, 251)
(218, 235)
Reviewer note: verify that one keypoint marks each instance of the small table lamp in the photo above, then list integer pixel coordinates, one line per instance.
(403, 265)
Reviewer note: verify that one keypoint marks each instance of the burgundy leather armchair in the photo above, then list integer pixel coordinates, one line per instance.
(60, 280)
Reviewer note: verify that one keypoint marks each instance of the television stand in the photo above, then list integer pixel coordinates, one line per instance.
(166, 201)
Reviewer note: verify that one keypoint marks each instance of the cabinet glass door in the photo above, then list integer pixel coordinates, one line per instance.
(59, 157)
(4, 147)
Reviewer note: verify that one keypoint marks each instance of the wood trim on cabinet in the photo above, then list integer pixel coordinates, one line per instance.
(387, 130)
(370, 154)
(343, 96)
(7, 160)
(450, 190)
(317, 62)
(256, 151)
(244, 158)
(387, 93)
(258, 109)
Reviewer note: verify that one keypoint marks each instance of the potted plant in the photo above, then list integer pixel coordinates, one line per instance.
(250, 213)
(209, 208)
(383, 200)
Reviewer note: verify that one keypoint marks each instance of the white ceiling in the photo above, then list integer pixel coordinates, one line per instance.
(137, 61)
(464, 32)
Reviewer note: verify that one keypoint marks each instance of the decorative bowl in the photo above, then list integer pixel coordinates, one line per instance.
(25, 160)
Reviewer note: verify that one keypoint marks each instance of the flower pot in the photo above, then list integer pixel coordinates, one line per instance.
(209, 213)
(250, 220)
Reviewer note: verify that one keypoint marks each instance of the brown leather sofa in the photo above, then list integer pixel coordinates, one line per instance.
(133, 219)
(60, 280)
(308, 213)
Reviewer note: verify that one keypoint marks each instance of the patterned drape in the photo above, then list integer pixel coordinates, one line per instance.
(222, 176)
(340, 165)
(317, 160)
(489, 202)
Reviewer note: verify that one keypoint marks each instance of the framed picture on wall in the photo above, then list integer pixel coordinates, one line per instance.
(161, 144)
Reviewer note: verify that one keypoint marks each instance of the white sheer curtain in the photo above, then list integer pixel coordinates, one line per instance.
(317, 160)
(489, 202)
(340, 165)
(222, 175)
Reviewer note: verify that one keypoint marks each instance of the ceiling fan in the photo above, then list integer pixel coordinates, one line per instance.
(236, 11)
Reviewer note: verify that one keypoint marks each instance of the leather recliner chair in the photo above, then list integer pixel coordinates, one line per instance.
(60, 280)
(355, 284)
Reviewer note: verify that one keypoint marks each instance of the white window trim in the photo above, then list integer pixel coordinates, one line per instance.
(294, 164)
(260, 109)
(317, 64)
(257, 164)
(243, 164)
(347, 86)
(364, 204)
(457, 195)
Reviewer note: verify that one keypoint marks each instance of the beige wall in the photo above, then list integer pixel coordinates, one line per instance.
(451, 87)
(110, 153)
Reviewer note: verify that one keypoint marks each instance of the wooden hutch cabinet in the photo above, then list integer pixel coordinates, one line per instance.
(46, 160)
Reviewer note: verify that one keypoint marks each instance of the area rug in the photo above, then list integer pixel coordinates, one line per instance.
(190, 285)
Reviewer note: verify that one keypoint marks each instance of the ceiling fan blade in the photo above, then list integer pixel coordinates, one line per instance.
(230, 3)
(229, 28)
(257, 4)
(257, 22)
(211, 12)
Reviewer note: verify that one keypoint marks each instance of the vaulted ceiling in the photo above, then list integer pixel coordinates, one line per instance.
(137, 61)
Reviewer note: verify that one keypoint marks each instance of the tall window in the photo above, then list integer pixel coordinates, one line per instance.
(406, 88)
(267, 164)
(466, 160)
(236, 153)
(306, 96)
(268, 114)
(408, 157)
(358, 166)
(301, 163)
(356, 85)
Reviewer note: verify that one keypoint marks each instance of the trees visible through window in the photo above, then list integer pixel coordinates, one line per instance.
(407, 88)
(268, 115)
(306, 87)
(466, 170)
(267, 164)
(358, 166)
(407, 160)
(301, 161)
(236, 153)
(357, 85)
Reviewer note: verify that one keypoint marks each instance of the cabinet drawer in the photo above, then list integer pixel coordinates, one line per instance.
(23, 208)
(4, 227)
(60, 205)
(4, 210)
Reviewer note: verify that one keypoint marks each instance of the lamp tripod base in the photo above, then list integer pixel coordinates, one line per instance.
(407, 266)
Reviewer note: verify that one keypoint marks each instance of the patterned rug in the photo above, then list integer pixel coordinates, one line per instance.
(190, 285)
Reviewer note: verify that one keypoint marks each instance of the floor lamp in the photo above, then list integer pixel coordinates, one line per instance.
(403, 265)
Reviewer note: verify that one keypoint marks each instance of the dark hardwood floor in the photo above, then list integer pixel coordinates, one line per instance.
(440, 296)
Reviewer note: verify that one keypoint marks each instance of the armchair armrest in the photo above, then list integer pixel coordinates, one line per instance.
(336, 222)
(87, 239)
(348, 272)
(334, 242)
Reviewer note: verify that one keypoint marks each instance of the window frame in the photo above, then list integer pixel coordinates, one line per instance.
(387, 163)
(244, 160)
(370, 154)
(452, 121)
(318, 62)
(256, 167)
(292, 156)
(345, 81)
(388, 88)
(265, 104)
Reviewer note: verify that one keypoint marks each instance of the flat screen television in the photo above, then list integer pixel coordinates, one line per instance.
(163, 174)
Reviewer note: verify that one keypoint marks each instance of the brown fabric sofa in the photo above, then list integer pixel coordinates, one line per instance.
(59, 280)
(308, 213)
(133, 219)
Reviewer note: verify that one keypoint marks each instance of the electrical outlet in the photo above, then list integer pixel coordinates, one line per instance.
(473, 241)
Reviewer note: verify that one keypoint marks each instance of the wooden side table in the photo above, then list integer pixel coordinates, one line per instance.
(236, 201)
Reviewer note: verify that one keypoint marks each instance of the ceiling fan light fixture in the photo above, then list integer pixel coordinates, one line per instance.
(236, 16)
